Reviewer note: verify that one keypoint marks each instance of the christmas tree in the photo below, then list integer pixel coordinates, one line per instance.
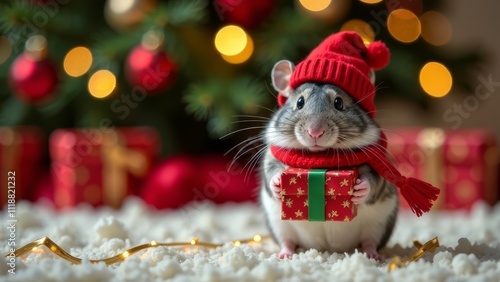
(197, 70)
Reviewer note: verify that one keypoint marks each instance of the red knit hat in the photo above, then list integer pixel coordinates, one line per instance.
(344, 60)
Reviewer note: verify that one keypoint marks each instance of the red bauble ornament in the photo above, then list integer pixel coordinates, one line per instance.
(32, 76)
(245, 13)
(182, 179)
(149, 67)
(170, 185)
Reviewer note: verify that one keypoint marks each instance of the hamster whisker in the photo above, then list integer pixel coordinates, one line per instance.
(248, 140)
(251, 116)
(254, 160)
(241, 130)
(247, 148)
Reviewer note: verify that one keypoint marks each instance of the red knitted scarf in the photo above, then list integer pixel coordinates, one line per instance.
(417, 193)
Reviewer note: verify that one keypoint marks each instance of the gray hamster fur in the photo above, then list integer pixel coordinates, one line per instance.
(318, 117)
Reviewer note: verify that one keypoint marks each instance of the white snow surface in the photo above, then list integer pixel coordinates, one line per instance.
(469, 251)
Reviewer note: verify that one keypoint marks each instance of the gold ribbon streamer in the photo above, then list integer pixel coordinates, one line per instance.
(118, 160)
(54, 248)
(429, 246)
(431, 141)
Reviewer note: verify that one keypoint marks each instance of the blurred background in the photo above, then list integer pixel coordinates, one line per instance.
(104, 99)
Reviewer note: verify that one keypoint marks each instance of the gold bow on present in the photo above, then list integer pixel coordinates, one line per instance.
(431, 141)
(118, 160)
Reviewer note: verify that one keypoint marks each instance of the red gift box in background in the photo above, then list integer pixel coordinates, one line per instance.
(21, 152)
(337, 189)
(462, 163)
(101, 166)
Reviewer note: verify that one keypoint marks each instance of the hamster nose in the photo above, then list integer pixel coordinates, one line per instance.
(315, 132)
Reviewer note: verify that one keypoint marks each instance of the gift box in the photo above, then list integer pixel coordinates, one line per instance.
(317, 194)
(101, 166)
(462, 163)
(21, 154)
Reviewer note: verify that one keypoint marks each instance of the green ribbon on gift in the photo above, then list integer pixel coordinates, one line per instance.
(316, 194)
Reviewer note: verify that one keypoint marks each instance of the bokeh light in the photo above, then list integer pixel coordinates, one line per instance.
(78, 61)
(102, 83)
(415, 6)
(436, 28)
(362, 28)
(315, 5)
(5, 48)
(234, 44)
(243, 56)
(403, 25)
(371, 1)
(435, 79)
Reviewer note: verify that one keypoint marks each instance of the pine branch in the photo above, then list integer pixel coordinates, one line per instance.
(218, 100)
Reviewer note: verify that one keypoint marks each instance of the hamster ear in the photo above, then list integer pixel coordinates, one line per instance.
(280, 76)
(372, 76)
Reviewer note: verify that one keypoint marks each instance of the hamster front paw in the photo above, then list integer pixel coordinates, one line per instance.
(275, 186)
(361, 191)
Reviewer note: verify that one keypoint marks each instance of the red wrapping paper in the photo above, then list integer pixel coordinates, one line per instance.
(338, 192)
(21, 152)
(101, 166)
(462, 163)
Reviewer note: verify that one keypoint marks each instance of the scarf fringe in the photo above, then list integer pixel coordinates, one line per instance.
(419, 195)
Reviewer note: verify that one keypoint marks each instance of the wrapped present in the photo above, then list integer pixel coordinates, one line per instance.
(101, 166)
(317, 194)
(462, 163)
(21, 154)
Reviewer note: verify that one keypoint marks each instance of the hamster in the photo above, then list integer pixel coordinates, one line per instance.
(319, 117)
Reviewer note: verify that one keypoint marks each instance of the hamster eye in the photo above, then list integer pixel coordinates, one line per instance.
(300, 102)
(338, 104)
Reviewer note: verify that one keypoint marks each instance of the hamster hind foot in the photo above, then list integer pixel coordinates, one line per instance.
(370, 249)
(287, 249)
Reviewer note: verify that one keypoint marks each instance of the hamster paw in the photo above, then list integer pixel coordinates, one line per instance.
(287, 250)
(371, 251)
(275, 186)
(361, 191)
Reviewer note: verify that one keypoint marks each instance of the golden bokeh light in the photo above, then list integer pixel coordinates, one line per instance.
(403, 25)
(315, 5)
(102, 83)
(371, 1)
(234, 44)
(436, 28)
(78, 61)
(230, 40)
(362, 28)
(5, 49)
(435, 79)
(243, 56)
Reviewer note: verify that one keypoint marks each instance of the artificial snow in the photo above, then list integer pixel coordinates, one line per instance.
(469, 251)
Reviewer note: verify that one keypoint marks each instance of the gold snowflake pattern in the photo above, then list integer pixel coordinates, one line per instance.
(333, 214)
(328, 179)
(350, 192)
(306, 203)
(300, 191)
(336, 174)
(298, 214)
(344, 182)
(289, 203)
(331, 192)
(293, 180)
(346, 204)
(283, 214)
(283, 192)
(347, 218)
(299, 175)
